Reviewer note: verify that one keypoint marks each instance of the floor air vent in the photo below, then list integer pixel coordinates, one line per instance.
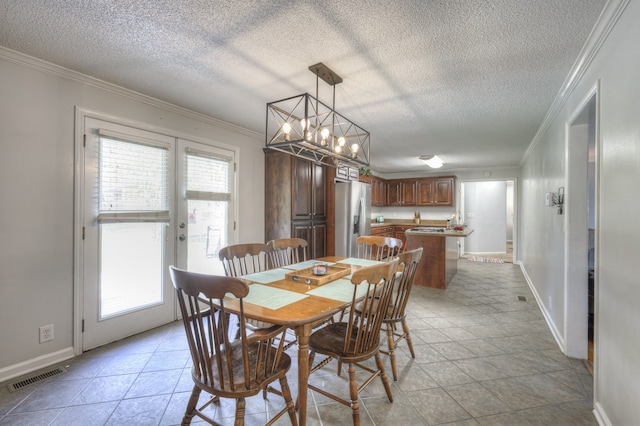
(36, 379)
(522, 299)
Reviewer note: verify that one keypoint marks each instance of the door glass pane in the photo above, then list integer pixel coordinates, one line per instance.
(207, 235)
(131, 266)
(208, 192)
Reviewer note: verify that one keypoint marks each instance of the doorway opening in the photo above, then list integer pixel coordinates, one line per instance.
(489, 208)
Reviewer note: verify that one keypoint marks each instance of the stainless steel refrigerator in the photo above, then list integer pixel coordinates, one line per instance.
(353, 216)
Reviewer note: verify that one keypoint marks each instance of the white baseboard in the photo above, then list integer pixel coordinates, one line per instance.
(34, 364)
(552, 326)
(601, 416)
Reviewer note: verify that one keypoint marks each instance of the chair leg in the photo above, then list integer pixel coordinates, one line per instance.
(407, 337)
(383, 376)
(240, 408)
(353, 394)
(392, 353)
(191, 406)
(286, 393)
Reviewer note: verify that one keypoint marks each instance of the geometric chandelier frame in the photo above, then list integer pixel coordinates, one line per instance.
(306, 127)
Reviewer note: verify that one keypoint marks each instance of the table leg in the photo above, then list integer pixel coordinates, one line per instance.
(303, 332)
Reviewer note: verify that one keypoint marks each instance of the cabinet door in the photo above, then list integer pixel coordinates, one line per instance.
(400, 234)
(318, 243)
(408, 188)
(382, 191)
(394, 193)
(315, 234)
(425, 192)
(319, 193)
(309, 191)
(443, 191)
(302, 189)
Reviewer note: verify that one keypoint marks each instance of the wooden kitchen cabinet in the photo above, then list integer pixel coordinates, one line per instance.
(401, 192)
(309, 190)
(399, 233)
(436, 191)
(347, 173)
(384, 231)
(315, 233)
(296, 196)
(378, 192)
(444, 191)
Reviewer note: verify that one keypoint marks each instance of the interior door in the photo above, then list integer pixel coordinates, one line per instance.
(128, 187)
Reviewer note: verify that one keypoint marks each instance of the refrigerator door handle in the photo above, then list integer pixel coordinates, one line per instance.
(360, 216)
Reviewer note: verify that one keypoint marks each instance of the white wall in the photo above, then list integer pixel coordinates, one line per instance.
(542, 231)
(37, 185)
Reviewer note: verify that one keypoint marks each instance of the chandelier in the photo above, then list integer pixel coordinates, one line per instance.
(305, 127)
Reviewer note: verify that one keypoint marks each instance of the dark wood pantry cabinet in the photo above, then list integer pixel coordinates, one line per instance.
(296, 200)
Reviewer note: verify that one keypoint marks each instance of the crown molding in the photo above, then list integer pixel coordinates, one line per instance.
(58, 71)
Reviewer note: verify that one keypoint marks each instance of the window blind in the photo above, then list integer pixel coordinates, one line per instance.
(208, 176)
(133, 181)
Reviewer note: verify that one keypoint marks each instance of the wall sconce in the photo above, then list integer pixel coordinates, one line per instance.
(553, 199)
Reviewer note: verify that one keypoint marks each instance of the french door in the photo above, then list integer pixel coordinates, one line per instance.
(149, 201)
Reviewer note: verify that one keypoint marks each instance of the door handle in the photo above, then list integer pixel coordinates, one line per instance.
(182, 237)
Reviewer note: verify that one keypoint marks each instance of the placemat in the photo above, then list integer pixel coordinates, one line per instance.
(271, 297)
(266, 277)
(359, 262)
(341, 290)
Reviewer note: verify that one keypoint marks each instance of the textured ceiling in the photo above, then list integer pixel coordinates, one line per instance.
(469, 80)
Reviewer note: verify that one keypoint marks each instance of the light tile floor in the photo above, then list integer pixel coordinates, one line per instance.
(482, 358)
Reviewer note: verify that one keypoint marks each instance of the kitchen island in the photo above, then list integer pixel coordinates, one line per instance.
(439, 261)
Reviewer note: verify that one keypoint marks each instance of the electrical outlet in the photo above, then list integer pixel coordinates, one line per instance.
(46, 333)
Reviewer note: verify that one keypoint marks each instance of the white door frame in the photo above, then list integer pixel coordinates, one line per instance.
(575, 223)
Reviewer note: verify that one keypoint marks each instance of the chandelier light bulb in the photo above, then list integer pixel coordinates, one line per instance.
(286, 129)
(341, 142)
(325, 134)
(354, 150)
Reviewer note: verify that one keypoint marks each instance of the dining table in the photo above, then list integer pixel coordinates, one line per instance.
(279, 299)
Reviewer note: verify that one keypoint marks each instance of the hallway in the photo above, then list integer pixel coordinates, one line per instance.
(483, 357)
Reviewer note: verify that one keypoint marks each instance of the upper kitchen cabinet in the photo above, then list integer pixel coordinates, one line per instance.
(401, 192)
(436, 191)
(378, 191)
(347, 172)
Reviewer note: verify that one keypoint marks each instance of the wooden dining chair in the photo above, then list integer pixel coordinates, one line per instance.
(357, 340)
(223, 366)
(396, 313)
(377, 247)
(287, 251)
(244, 259)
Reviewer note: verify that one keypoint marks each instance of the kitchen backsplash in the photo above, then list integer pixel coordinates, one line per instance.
(429, 213)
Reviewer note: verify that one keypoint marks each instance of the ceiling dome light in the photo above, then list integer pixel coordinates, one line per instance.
(432, 161)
